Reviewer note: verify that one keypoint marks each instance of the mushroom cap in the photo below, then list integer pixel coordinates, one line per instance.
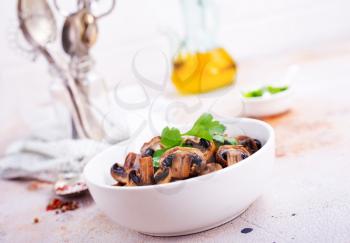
(251, 144)
(119, 174)
(208, 148)
(127, 174)
(183, 162)
(230, 154)
(132, 161)
(211, 167)
(163, 175)
(134, 178)
(148, 148)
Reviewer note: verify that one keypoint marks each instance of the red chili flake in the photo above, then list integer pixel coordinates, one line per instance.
(63, 206)
(36, 220)
(33, 186)
(54, 204)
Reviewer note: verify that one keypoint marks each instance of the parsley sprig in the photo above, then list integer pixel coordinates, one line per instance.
(204, 127)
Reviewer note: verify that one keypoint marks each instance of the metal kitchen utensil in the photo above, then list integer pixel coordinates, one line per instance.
(80, 30)
(39, 27)
(79, 34)
(81, 3)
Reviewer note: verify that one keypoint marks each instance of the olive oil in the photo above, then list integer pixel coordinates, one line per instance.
(200, 72)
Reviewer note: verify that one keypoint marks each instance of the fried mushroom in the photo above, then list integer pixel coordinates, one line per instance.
(211, 167)
(163, 175)
(183, 162)
(208, 148)
(251, 144)
(119, 174)
(134, 178)
(230, 154)
(147, 170)
(132, 160)
(151, 146)
(135, 172)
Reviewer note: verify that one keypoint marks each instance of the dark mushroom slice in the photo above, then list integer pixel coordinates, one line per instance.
(230, 154)
(151, 146)
(134, 178)
(208, 148)
(162, 176)
(147, 170)
(132, 161)
(251, 144)
(119, 174)
(183, 162)
(211, 167)
(122, 173)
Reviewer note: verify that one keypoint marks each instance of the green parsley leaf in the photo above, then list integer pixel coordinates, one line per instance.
(156, 156)
(219, 138)
(275, 90)
(224, 139)
(206, 127)
(260, 92)
(170, 137)
(254, 93)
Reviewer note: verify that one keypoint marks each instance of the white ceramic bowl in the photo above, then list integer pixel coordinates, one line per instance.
(187, 206)
(268, 106)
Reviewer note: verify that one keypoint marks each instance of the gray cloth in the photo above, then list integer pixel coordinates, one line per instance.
(49, 153)
(43, 160)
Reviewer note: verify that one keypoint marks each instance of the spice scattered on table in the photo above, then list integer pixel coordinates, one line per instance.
(61, 206)
(36, 185)
(33, 186)
(36, 220)
(246, 230)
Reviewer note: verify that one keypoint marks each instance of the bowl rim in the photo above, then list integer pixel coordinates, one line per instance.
(269, 140)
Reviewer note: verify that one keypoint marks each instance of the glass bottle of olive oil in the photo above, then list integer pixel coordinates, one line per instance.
(200, 65)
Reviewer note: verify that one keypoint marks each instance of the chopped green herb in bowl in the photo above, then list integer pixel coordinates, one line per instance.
(265, 90)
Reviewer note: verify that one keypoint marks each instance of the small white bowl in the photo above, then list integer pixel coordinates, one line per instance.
(267, 105)
(187, 206)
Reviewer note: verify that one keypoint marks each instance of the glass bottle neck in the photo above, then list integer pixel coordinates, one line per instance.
(199, 25)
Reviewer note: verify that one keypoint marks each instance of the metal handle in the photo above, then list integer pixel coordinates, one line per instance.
(83, 4)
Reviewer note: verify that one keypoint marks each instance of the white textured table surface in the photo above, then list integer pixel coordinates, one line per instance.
(308, 199)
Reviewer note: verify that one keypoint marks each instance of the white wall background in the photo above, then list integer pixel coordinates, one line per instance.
(248, 29)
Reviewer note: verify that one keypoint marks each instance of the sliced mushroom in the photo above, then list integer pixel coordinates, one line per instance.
(211, 167)
(230, 154)
(208, 148)
(251, 144)
(119, 174)
(151, 146)
(134, 178)
(183, 162)
(162, 176)
(132, 160)
(147, 170)
(122, 173)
